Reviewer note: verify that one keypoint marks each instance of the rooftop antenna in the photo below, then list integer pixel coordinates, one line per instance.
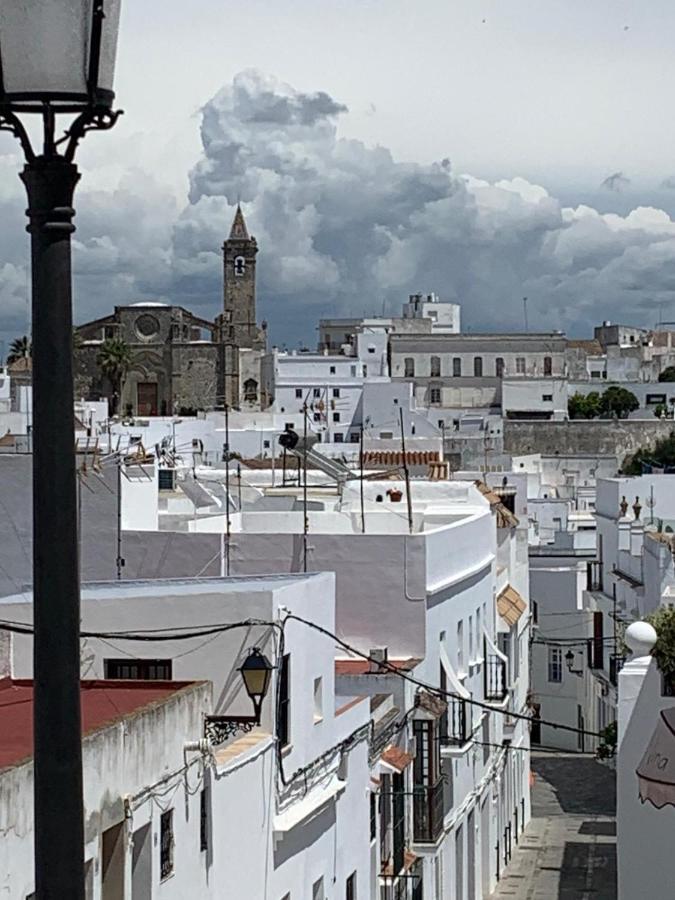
(525, 314)
(406, 473)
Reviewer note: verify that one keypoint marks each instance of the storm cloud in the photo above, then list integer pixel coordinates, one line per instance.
(345, 228)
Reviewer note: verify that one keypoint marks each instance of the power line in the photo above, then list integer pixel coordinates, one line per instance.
(205, 631)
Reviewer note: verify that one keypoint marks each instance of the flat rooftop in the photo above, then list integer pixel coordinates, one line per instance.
(103, 702)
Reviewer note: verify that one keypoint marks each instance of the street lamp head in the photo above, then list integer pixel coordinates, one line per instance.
(57, 53)
(569, 659)
(256, 672)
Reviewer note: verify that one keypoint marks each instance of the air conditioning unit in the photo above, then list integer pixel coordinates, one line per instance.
(378, 655)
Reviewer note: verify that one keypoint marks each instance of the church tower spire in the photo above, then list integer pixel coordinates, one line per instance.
(239, 231)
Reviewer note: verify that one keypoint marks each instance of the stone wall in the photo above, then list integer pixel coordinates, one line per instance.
(610, 437)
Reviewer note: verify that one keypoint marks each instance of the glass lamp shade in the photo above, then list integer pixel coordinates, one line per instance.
(62, 51)
(256, 672)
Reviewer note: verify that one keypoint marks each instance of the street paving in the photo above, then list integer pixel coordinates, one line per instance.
(568, 851)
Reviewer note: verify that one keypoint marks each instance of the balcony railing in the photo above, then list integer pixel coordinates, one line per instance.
(453, 724)
(428, 812)
(495, 679)
(616, 661)
(593, 575)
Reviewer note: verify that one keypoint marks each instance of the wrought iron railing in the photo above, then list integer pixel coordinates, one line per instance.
(616, 661)
(453, 724)
(593, 575)
(495, 678)
(428, 812)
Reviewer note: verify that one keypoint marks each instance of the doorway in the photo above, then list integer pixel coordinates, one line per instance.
(112, 863)
(141, 865)
(147, 398)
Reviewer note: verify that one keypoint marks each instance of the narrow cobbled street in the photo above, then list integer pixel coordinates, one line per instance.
(568, 851)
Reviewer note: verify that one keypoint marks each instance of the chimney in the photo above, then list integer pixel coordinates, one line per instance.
(378, 656)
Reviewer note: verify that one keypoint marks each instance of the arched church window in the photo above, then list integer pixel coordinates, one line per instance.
(239, 265)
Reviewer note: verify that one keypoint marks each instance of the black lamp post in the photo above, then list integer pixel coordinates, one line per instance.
(55, 59)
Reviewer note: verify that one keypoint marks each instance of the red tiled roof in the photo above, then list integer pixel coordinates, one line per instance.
(395, 457)
(102, 703)
(397, 758)
(362, 666)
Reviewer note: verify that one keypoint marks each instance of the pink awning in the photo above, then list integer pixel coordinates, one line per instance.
(656, 772)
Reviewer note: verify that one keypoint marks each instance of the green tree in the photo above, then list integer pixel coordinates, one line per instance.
(662, 454)
(661, 410)
(617, 402)
(114, 360)
(20, 348)
(668, 374)
(580, 406)
(663, 620)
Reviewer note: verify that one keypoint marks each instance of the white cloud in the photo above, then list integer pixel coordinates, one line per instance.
(343, 226)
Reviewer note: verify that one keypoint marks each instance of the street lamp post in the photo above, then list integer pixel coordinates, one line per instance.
(56, 59)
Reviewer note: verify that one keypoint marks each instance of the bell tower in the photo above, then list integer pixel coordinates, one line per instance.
(243, 343)
(239, 261)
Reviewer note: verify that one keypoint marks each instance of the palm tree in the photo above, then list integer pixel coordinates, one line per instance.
(114, 359)
(20, 348)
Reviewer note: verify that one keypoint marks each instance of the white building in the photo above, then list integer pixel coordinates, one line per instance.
(645, 774)
(142, 789)
(449, 596)
(285, 805)
(445, 317)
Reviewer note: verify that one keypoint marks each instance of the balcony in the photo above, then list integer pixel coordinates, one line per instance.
(593, 575)
(616, 661)
(453, 724)
(495, 679)
(428, 812)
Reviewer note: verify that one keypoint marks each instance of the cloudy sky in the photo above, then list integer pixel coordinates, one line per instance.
(482, 149)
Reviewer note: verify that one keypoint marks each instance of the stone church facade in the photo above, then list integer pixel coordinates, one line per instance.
(181, 363)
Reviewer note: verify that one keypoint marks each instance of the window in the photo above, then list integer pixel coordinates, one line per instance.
(350, 887)
(332, 370)
(373, 815)
(317, 890)
(336, 393)
(456, 367)
(204, 820)
(166, 843)
(548, 365)
(239, 266)
(520, 365)
(318, 699)
(409, 367)
(499, 367)
(138, 669)
(317, 417)
(595, 374)
(547, 398)
(478, 366)
(284, 707)
(251, 390)
(435, 367)
(336, 417)
(555, 664)
(354, 437)
(316, 393)
(166, 480)
(655, 399)
(338, 438)
(434, 395)
(298, 393)
(289, 425)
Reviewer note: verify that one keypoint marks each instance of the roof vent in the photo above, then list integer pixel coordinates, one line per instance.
(378, 655)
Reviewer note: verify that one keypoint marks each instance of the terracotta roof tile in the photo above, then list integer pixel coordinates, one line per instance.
(510, 605)
(397, 758)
